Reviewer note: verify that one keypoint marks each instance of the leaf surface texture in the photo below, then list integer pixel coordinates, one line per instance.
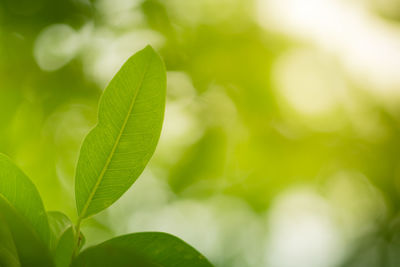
(117, 149)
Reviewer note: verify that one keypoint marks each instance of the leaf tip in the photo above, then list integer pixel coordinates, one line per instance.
(149, 50)
(148, 47)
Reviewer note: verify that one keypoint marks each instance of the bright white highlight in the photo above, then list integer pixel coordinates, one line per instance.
(303, 232)
(55, 46)
(367, 46)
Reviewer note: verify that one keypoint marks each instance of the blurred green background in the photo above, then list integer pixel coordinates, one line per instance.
(281, 139)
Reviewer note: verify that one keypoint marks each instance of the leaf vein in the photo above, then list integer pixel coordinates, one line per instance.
(109, 158)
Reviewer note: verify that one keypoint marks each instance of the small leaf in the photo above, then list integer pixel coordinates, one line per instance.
(65, 248)
(150, 249)
(22, 194)
(116, 151)
(31, 249)
(59, 223)
(62, 238)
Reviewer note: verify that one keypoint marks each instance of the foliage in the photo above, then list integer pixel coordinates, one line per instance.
(112, 157)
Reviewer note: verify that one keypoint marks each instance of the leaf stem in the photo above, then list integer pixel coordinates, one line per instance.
(77, 239)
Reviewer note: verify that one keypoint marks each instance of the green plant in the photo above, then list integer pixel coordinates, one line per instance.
(112, 157)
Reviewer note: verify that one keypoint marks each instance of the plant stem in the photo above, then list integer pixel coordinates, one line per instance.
(77, 239)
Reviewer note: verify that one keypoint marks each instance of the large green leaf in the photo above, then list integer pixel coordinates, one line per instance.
(149, 249)
(117, 150)
(30, 248)
(22, 194)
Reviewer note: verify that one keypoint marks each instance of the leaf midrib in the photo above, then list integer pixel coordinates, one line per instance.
(109, 158)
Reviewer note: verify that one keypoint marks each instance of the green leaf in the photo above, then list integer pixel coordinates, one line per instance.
(30, 248)
(59, 223)
(116, 151)
(65, 248)
(62, 238)
(142, 249)
(22, 194)
(8, 251)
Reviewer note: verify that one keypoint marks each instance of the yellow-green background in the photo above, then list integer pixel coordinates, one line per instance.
(281, 138)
